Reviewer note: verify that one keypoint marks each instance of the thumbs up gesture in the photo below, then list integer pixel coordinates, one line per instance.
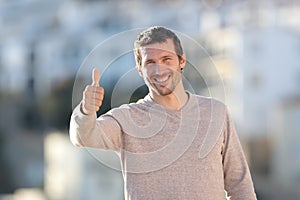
(92, 95)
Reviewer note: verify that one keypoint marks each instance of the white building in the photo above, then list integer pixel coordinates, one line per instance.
(72, 173)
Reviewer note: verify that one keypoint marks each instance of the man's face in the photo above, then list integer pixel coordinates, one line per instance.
(161, 67)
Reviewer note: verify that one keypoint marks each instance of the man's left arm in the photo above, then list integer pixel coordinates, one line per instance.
(237, 177)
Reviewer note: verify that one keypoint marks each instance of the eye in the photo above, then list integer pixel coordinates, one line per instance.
(166, 59)
(148, 62)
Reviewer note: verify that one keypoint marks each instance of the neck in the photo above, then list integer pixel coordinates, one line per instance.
(174, 101)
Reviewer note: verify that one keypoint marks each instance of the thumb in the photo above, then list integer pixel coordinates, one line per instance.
(96, 77)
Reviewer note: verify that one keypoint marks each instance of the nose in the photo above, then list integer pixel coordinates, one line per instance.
(158, 68)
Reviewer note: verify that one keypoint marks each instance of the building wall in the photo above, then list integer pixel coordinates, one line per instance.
(72, 173)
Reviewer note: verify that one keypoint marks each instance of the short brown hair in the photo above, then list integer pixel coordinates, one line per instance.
(155, 34)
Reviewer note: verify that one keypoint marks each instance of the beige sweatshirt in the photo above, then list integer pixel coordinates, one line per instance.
(192, 153)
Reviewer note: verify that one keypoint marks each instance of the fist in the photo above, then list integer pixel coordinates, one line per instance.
(93, 95)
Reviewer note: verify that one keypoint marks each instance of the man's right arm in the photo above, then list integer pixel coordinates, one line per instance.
(88, 131)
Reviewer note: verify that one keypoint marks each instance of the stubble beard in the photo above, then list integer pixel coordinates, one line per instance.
(169, 89)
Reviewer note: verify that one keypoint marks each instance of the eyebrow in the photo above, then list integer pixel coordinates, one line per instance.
(166, 57)
(170, 55)
(152, 60)
(149, 60)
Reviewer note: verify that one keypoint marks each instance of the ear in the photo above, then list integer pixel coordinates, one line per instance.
(182, 62)
(140, 71)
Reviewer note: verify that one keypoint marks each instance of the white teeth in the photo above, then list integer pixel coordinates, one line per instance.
(162, 80)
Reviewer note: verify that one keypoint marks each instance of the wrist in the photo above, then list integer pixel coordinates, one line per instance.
(82, 110)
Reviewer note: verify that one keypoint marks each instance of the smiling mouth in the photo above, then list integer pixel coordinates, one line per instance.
(161, 80)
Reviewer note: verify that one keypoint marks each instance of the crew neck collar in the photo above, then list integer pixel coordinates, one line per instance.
(185, 106)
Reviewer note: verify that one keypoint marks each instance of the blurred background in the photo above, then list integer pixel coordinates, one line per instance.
(255, 47)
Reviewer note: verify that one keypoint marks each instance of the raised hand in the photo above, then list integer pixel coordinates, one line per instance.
(93, 95)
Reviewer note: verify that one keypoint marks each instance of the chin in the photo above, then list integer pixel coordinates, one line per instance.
(164, 92)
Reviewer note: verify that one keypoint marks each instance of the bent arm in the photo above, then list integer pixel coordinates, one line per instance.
(88, 131)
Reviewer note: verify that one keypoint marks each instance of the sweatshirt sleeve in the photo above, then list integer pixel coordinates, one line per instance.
(89, 131)
(237, 178)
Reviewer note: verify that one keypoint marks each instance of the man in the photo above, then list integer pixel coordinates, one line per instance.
(172, 144)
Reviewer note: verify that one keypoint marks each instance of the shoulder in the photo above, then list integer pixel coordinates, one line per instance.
(132, 116)
(138, 109)
(209, 102)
